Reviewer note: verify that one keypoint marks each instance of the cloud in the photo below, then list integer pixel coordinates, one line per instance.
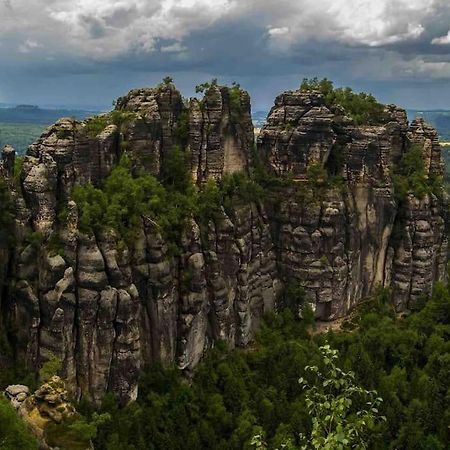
(109, 27)
(443, 40)
(278, 31)
(358, 42)
(359, 22)
(176, 47)
(29, 45)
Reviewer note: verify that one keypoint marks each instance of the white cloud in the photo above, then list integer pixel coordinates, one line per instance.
(102, 29)
(367, 22)
(176, 47)
(29, 45)
(278, 31)
(110, 27)
(443, 40)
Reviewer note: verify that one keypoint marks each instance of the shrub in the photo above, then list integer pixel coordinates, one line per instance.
(236, 111)
(123, 199)
(13, 432)
(50, 368)
(204, 87)
(95, 125)
(410, 176)
(362, 108)
(182, 127)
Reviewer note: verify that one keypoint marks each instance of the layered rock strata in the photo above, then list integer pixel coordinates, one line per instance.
(107, 311)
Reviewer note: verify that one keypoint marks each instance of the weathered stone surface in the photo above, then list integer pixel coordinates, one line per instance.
(151, 134)
(220, 134)
(8, 160)
(107, 310)
(298, 133)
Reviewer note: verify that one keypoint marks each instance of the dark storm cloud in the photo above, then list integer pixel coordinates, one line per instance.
(399, 49)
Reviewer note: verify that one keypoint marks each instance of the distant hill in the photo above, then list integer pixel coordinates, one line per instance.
(21, 125)
(36, 115)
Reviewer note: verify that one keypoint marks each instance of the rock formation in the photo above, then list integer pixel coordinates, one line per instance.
(107, 311)
(49, 404)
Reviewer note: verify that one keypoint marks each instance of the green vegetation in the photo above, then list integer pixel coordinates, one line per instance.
(330, 400)
(236, 110)
(235, 189)
(120, 202)
(13, 432)
(204, 87)
(446, 158)
(19, 135)
(50, 368)
(410, 176)
(318, 182)
(182, 128)
(75, 433)
(237, 395)
(235, 93)
(124, 198)
(362, 108)
(95, 125)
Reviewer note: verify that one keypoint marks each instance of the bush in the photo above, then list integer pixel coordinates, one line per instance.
(362, 108)
(13, 432)
(50, 368)
(410, 176)
(124, 199)
(236, 111)
(95, 125)
(74, 433)
(204, 87)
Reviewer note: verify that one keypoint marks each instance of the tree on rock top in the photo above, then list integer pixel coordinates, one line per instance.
(361, 107)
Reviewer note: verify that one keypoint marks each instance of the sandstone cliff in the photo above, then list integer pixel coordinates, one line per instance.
(107, 310)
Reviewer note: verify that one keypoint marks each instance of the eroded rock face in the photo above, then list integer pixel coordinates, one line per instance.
(220, 133)
(107, 310)
(151, 134)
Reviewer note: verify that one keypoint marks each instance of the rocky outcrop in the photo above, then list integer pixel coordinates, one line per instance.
(420, 252)
(49, 404)
(220, 133)
(108, 309)
(152, 130)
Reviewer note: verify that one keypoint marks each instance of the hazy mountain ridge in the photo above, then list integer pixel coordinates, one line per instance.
(21, 125)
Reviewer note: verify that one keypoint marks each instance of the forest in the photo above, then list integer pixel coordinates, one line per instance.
(256, 398)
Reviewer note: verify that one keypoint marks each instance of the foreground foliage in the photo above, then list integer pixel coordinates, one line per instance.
(13, 432)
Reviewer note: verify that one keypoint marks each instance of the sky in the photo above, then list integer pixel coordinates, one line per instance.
(85, 53)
